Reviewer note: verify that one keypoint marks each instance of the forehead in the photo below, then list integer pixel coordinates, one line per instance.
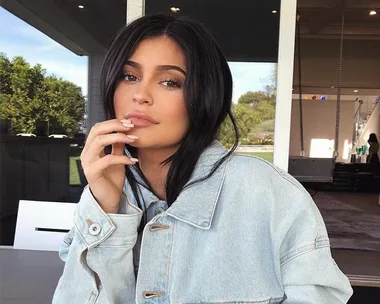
(159, 51)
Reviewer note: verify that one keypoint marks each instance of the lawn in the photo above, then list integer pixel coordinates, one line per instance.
(268, 156)
(74, 175)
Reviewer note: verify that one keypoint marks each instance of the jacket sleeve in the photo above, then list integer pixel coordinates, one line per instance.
(98, 255)
(309, 273)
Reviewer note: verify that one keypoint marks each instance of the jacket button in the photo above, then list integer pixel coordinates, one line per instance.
(155, 227)
(94, 229)
(152, 294)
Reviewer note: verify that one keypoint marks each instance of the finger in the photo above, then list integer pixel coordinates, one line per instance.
(105, 162)
(106, 127)
(96, 149)
(118, 148)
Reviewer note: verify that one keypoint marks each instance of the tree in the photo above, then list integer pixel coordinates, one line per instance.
(252, 109)
(253, 99)
(245, 121)
(264, 111)
(28, 96)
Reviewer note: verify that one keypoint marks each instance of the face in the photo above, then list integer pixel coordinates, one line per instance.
(151, 94)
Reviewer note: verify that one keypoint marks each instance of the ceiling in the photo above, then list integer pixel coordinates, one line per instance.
(320, 33)
(101, 19)
(323, 19)
(91, 29)
(245, 30)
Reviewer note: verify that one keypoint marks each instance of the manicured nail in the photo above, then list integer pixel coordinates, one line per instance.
(123, 121)
(128, 125)
(134, 159)
(132, 137)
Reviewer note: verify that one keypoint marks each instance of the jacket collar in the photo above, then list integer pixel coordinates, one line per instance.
(196, 203)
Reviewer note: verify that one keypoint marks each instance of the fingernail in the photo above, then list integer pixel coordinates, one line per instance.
(132, 137)
(123, 121)
(128, 125)
(134, 159)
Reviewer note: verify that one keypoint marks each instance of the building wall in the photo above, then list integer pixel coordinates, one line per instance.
(372, 126)
(95, 104)
(319, 123)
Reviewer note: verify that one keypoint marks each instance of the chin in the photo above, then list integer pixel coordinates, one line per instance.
(144, 144)
(151, 144)
(137, 144)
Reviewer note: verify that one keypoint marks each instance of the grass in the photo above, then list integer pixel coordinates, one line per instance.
(268, 156)
(74, 175)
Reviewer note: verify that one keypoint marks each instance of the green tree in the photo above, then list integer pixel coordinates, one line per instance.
(264, 111)
(27, 96)
(252, 109)
(245, 120)
(253, 99)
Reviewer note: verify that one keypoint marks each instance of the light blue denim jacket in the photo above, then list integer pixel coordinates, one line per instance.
(248, 234)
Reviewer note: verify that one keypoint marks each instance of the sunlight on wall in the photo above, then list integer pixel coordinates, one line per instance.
(346, 149)
(321, 148)
(324, 148)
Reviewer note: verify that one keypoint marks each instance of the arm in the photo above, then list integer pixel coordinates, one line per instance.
(312, 277)
(309, 273)
(98, 252)
(370, 151)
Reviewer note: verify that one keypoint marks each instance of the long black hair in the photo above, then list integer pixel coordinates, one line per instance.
(207, 92)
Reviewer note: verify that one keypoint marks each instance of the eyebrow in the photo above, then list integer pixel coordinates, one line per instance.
(160, 67)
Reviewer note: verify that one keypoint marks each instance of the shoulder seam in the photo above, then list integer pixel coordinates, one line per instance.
(275, 168)
(317, 244)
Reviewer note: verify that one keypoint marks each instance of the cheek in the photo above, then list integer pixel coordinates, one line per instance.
(178, 114)
(120, 102)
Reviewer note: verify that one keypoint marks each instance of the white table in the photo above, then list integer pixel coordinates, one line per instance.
(28, 276)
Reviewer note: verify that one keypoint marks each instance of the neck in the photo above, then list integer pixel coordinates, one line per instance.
(150, 161)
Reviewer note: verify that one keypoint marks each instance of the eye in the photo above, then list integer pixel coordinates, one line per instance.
(130, 77)
(172, 84)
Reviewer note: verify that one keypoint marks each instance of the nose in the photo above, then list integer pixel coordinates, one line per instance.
(142, 95)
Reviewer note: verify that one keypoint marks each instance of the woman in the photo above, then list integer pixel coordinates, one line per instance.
(191, 222)
(373, 156)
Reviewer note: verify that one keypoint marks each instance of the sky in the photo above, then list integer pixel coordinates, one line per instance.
(18, 38)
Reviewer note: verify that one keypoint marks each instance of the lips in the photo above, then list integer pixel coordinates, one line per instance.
(141, 119)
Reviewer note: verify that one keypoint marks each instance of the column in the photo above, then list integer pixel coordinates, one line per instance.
(95, 104)
(135, 9)
(284, 83)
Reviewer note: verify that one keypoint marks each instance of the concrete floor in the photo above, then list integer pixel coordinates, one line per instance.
(356, 263)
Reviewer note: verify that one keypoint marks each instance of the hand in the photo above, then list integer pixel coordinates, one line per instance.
(106, 173)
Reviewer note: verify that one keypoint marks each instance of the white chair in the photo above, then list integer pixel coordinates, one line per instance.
(42, 225)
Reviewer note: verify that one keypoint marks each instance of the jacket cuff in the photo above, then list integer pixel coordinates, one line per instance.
(106, 230)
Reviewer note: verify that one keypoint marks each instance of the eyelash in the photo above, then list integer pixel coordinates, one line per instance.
(174, 84)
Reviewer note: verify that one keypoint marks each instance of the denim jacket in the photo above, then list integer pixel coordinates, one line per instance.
(248, 234)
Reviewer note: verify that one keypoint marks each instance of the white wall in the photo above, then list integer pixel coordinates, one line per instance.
(319, 123)
(372, 126)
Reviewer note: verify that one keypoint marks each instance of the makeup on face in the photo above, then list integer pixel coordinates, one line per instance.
(140, 119)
